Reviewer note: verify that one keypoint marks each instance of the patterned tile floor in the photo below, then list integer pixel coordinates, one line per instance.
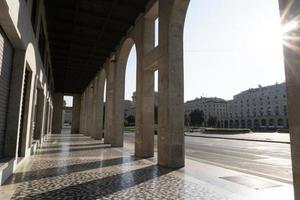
(77, 167)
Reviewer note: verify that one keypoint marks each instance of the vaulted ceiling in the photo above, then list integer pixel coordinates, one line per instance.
(82, 34)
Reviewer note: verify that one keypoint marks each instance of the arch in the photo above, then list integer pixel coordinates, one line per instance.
(236, 123)
(231, 123)
(120, 60)
(30, 57)
(263, 122)
(256, 123)
(226, 124)
(271, 122)
(249, 123)
(243, 123)
(280, 122)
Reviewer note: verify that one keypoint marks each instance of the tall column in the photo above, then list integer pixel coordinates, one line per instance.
(144, 118)
(110, 71)
(57, 112)
(29, 91)
(290, 11)
(15, 104)
(90, 110)
(82, 114)
(171, 99)
(94, 108)
(76, 113)
(86, 103)
(99, 105)
(47, 118)
(40, 118)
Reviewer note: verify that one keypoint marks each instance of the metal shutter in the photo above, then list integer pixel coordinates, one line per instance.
(6, 53)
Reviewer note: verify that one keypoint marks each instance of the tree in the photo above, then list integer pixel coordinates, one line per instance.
(155, 114)
(196, 117)
(212, 121)
(130, 119)
(187, 120)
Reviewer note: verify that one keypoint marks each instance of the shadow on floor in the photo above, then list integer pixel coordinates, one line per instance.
(101, 187)
(71, 145)
(68, 150)
(67, 169)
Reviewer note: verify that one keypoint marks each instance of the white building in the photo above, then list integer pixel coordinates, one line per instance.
(259, 108)
(211, 107)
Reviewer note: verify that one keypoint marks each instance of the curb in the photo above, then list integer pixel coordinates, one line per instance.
(241, 139)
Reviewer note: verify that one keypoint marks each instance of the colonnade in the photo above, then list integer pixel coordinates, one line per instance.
(167, 58)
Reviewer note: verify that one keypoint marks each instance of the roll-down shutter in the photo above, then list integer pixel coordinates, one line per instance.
(6, 53)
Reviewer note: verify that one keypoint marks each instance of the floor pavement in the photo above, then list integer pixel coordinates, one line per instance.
(255, 136)
(78, 167)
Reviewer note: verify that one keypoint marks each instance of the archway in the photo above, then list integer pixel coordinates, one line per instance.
(130, 96)
(116, 103)
(271, 122)
(280, 123)
(249, 123)
(256, 124)
(263, 123)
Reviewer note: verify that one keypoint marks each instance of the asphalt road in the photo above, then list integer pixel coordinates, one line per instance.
(265, 159)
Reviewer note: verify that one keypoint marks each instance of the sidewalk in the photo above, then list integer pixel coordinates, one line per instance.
(256, 137)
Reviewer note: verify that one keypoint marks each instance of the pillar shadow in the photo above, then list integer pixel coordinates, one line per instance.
(67, 150)
(71, 145)
(104, 187)
(57, 171)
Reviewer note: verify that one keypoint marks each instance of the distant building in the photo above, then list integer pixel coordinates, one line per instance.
(67, 115)
(211, 107)
(128, 108)
(259, 108)
(155, 98)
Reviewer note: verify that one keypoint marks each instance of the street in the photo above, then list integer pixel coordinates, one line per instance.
(265, 159)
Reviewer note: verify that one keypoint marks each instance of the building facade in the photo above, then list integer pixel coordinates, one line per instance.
(258, 108)
(26, 78)
(211, 107)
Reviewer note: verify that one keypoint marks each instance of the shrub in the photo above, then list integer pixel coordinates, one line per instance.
(227, 130)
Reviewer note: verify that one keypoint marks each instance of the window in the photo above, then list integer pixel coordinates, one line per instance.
(33, 14)
(41, 43)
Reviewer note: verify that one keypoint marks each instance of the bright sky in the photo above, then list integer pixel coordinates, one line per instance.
(69, 101)
(229, 46)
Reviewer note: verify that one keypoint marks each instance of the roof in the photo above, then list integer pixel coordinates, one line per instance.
(82, 34)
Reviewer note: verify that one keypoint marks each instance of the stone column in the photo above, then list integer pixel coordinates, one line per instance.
(57, 112)
(51, 118)
(116, 136)
(15, 104)
(28, 111)
(110, 71)
(86, 97)
(40, 118)
(170, 88)
(91, 111)
(95, 107)
(99, 105)
(82, 114)
(290, 11)
(47, 118)
(76, 113)
(144, 117)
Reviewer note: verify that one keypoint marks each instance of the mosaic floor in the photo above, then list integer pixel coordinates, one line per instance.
(77, 167)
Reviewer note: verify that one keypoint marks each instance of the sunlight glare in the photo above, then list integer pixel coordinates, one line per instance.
(289, 27)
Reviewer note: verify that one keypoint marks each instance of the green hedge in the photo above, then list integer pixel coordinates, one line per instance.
(283, 131)
(129, 128)
(227, 130)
